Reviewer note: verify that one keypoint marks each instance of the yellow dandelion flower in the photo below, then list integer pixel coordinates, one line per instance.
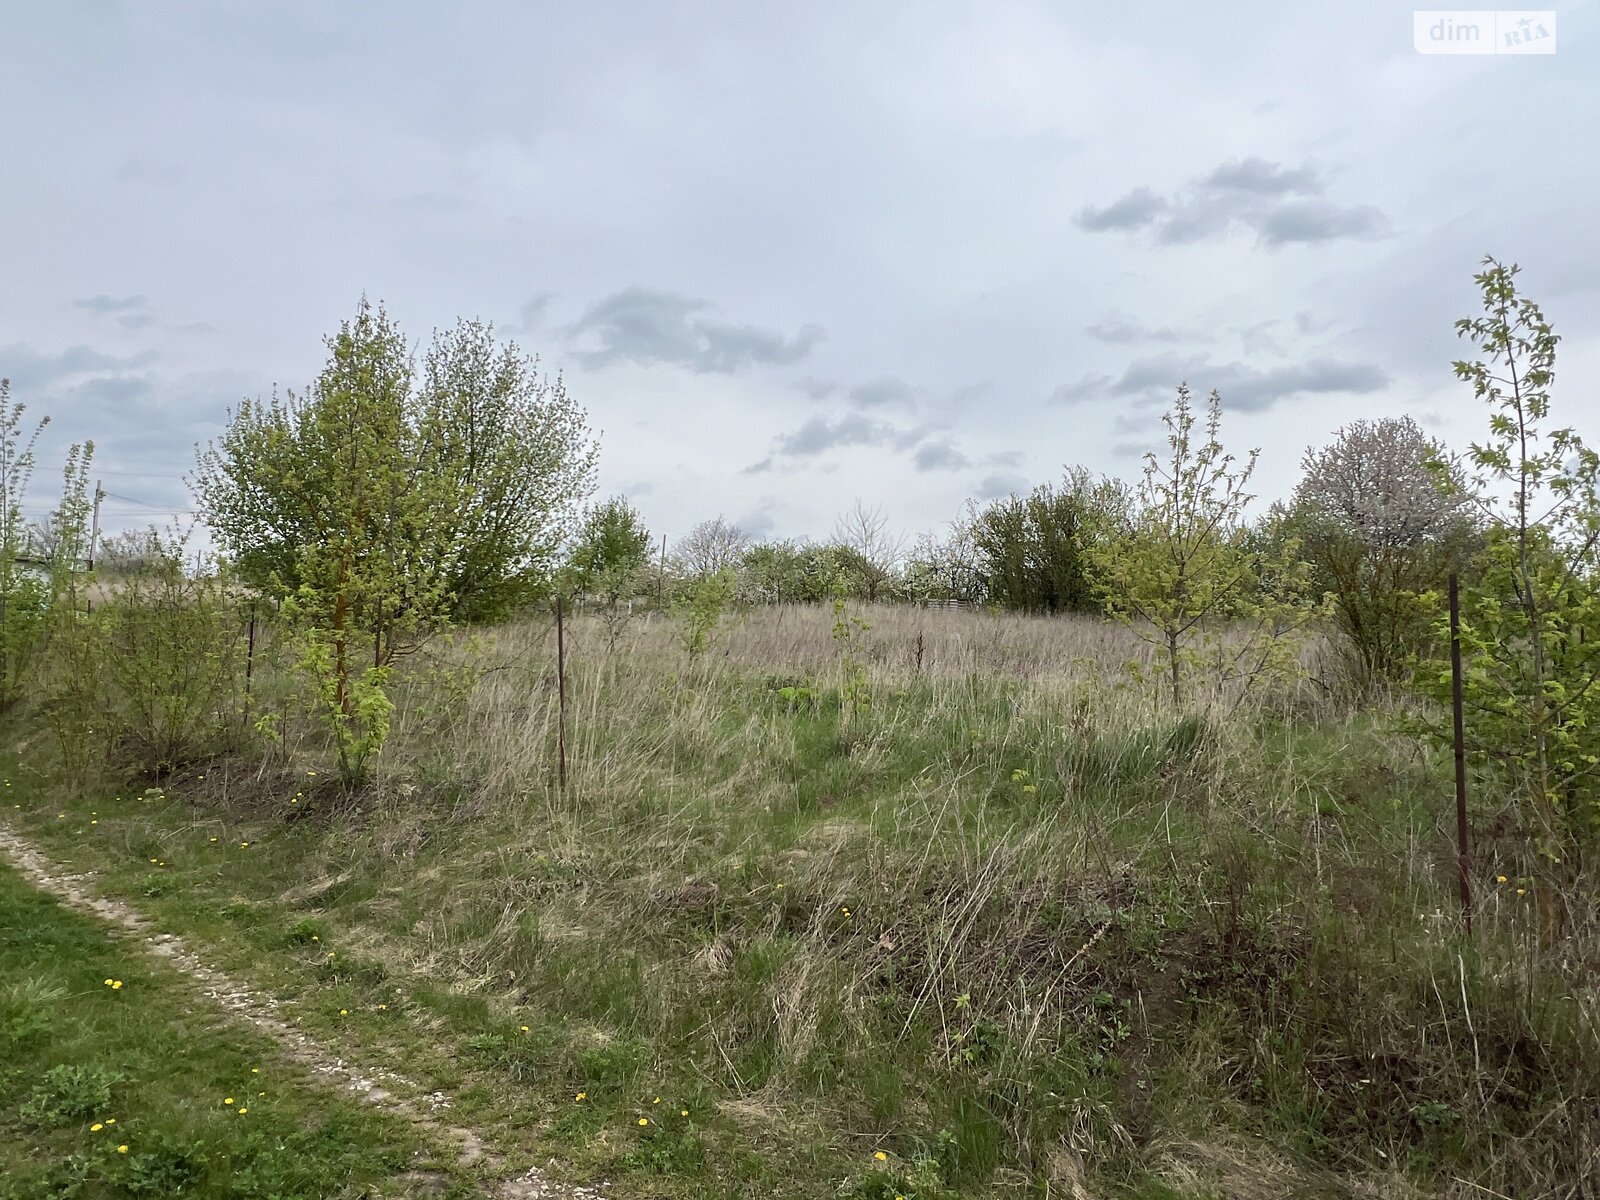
(96, 1127)
(880, 1156)
(524, 1028)
(683, 1112)
(213, 839)
(111, 1120)
(94, 822)
(311, 773)
(229, 1100)
(244, 845)
(242, 1111)
(657, 1100)
(643, 1121)
(108, 983)
(1522, 891)
(384, 1008)
(116, 985)
(344, 1012)
(581, 1096)
(1500, 879)
(255, 1070)
(122, 1149)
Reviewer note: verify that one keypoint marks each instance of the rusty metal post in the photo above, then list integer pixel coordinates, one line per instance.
(1463, 862)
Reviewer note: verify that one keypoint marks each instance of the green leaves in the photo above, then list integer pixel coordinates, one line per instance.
(1183, 572)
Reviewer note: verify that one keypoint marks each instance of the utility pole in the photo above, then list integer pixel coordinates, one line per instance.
(661, 576)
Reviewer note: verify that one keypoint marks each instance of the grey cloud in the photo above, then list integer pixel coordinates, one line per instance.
(649, 325)
(759, 468)
(820, 434)
(882, 392)
(1256, 339)
(31, 370)
(1263, 177)
(102, 305)
(1006, 458)
(532, 312)
(1119, 329)
(1318, 221)
(818, 389)
(136, 321)
(939, 456)
(1150, 381)
(992, 487)
(758, 524)
(1134, 211)
(1252, 194)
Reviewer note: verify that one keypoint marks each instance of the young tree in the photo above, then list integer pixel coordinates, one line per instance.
(1181, 571)
(24, 594)
(876, 549)
(1379, 531)
(1530, 621)
(611, 551)
(380, 510)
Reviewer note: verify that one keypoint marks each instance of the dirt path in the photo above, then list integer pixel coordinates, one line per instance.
(374, 1086)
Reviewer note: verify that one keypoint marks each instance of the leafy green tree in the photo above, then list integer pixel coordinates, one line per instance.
(1530, 620)
(24, 591)
(502, 457)
(1184, 574)
(1031, 549)
(611, 552)
(381, 507)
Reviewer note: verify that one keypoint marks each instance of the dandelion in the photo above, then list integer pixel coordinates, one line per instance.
(385, 1008)
(344, 1012)
(657, 1100)
(312, 773)
(116, 985)
(108, 983)
(524, 1028)
(1500, 879)
(255, 1070)
(845, 911)
(96, 1127)
(315, 938)
(1522, 891)
(880, 1156)
(581, 1097)
(94, 822)
(683, 1112)
(111, 1120)
(229, 1100)
(242, 1111)
(213, 839)
(643, 1121)
(122, 1149)
(244, 845)
(331, 953)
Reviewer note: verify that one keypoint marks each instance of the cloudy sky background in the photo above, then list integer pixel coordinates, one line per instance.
(789, 256)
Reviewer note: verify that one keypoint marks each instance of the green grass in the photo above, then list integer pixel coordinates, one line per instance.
(1009, 926)
(138, 1088)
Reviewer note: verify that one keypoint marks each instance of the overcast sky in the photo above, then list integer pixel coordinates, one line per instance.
(788, 256)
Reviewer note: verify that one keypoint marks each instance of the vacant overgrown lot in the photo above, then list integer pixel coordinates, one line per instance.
(989, 923)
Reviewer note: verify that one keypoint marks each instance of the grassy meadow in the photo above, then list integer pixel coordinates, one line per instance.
(989, 923)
